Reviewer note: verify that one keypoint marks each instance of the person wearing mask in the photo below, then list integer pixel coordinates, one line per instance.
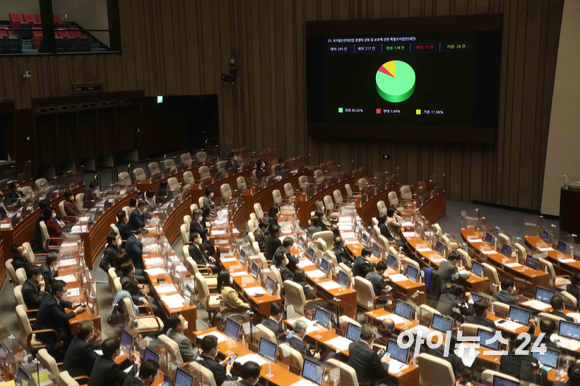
(273, 241)
(49, 269)
(199, 256)
(299, 277)
(480, 317)
(198, 226)
(81, 356)
(260, 234)
(70, 207)
(33, 288)
(147, 373)
(92, 195)
(210, 350)
(296, 341)
(340, 252)
(228, 292)
(163, 190)
(138, 295)
(279, 169)
(15, 193)
(557, 303)
(178, 324)
(456, 302)
(53, 227)
(365, 361)
(207, 200)
(250, 374)
(231, 164)
(363, 264)
(137, 217)
(280, 261)
(19, 259)
(574, 288)
(3, 211)
(385, 232)
(378, 281)
(261, 172)
(325, 223)
(315, 226)
(111, 252)
(133, 204)
(273, 215)
(51, 315)
(134, 248)
(122, 226)
(276, 316)
(329, 222)
(150, 200)
(448, 270)
(105, 371)
(285, 248)
(506, 294)
(394, 223)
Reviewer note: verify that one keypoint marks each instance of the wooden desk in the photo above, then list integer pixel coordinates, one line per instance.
(565, 264)
(477, 245)
(306, 206)
(231, 179)
(370, 209)
(143, 186)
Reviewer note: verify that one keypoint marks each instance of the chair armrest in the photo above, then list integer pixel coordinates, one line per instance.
(29, 337)
(150, 329)
(82, 378)
(146, 308)
(206, 269)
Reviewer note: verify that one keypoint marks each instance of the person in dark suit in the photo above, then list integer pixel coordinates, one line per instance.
(200, 257)
(231, 164)
(111, 251)
(362, 264)
(33, 288)
(105, 371)
(221, 370)
(198, 226)
(511, 363)
(273, 215)
(365, 361)
(250, 374)
(81, 356)
(15, 192)
(49, 269)
(505, 295)
(456, 302)
(92, 195)
(340, 252)
(557, 303)
(19, 259)
(273, 242)
(276, 316)
(573, 375)
(448, 270)
(299, 277)
(296, 341)
(480, 317)
(260, 236)
(147, 373)
(261, 171)
(51, 315)
(385, 232)
(122, 225)
(131, 285)
(315, 226)
(378, 281)
(134, 248)
(2, 207)
(549, 328)
(178, 324)
(285, 248)
(280, 168)
(574, 288)
(280, 260)
(150, 200)
(137, 217)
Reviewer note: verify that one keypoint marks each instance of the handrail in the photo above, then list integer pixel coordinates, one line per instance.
(114, 176)
(175, 154)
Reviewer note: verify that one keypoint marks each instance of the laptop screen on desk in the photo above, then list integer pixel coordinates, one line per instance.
(477, 297)
(324, 265)
(310, 253)
(183, 378)
(23, 378)
(322, 317)
(232, 329)
(441, 323)
(506, 250)
(412, 272)
(562, 246)
(391, 261)
(439, 247)
(126, 341)
(520, 315)
(270, 283)
(477, 268)
(398, 353)
(545, 236)
(151, 354)
(532, 262)
(544, 294)
(549, 358)
(268, 349)
(342, 279)
(486, 339)
(365, 237)
(353, 332)
(488, 238)
(403, 309)
(312, 371)
(376, 250)
(255, 269)
(501, 381)
(569, 330)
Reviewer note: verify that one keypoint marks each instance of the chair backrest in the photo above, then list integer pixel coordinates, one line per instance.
(408, 261)
(80, 200)
(24, 325)
(337, 197)
(45, 236)
(192, 207)
(188, 178)
(258, 210)
(269, 333)
(545, 315)
(277, 196)
(153, 167)
(393, 199)
(381, 207)
(502, 239)
(61, 209)
(201, 156)
(112, 275)
(365, 293)
(186, 159)
(521, 252)
(347, 373)
(327, 236)
(491, 273)
(295, 296)
(435, 371)
(190, 264)
(501, 308)
(18, 296)
(67, 380)
(438, 230)
(318, 173)
(545, 265)
(321, 244)
(226, 191)
(48, 362)
(250, 238)
(172, 346)
(375, 232)
(302, 181)
(254, 217)
(348, 190)
(11, 271)
(288, 189)
(426, 312)
(290, 356)
(221, 166)
(202, 288)
(328, 203)
(204, 172)
(469, 329)
(465, 258)
(241, 182)
(200, 202)
(252, 225)
(488, 375)
(329, 255)
(570, 300)
(117, 286)
(20, 276)
(276, 272)
(128, 308)
(173, 184)
(124, 179)
(41, 185)
(361, 183)
(184, 233)
(406, 193)
(169, 163)
(206, 374)
(139, 174)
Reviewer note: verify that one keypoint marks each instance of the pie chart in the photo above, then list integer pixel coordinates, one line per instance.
(395, 81)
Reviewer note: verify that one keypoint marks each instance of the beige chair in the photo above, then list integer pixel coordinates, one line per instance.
(42, 186)
(288, 190)
(204, 172)
(276, 272)
(124, 179)
(61, 209)
(210, 303)
(267, 332)
(361, 183)
(502, 239)
(28, 192)
(186, 159)
(434, 371)
(188, 178)
(142, 323)
(318, 176)
(30, 255)
(49, 363)
(221, 166)
(139, 174)
(406, 193)
(193, 268)
(226, 191)
(115, 229)
(426, 313)
(491, 273)
(337, 197)
(381, 207)
(11, 271)
(560, 282)
(252, 225)
(193, 207)
(349, 193)
(437, 230)
(169, 163)
(344, 320)
(277, 197)
(346, 269)
(374, 221)
(347, 373)
(112, 275)
(184, 233)
(393, 199)
(200, 202)
(321, 244)
(205, 375)
(303, 182)
(174, 185)
(116, 285)
(241, 182)
(258, 210)
(501, 308)
(201, 156)
(46, 238)
(80, 200)
(295, 297)
(67, 380)
(406, 261)
(187, 221)
(127, 210)
(469, 329)
(153, 168)
(20, 276)
(465, 258)
(254, 177)
(545, 315)
(365, 294)
(331, 211)
(521, 252)
(327, 236)
(290, 356)
(375, 232)
(18, 296)
(27, 335)
(569, 299)
(330, 256)
(488, 375)
(254, 217)
(173, 360)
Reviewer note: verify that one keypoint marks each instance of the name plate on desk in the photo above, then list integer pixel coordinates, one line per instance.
(340, 332)
(253, 347)
(294, 370)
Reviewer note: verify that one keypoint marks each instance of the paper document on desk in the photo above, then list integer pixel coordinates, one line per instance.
(251, 358)
(151, 248)
(68, 245)
(352, 242)
(66, 263)
(537, 305)
(235, 274)
(394, 317)
(567, 261)
(438, 260)
(476, 240)
(77, 229)
(513, 265)
(574, 315)
(305, 263)
(165, 288)
(398, 277)
(339, 343)
(508, 325)
(98, 352)
(228, 260)
(74, 292)
(218, 232)
(348, 235)
(5, 226)
(67, 278)
(155, 261)
(173, 301)
(396, 367)
(345, 227)
(252, 291)
(304, 382)
(567, 343)
(545, 249)
(156, 271)
(315, 274)
(219, 336)
(330, 285)
(409, 234)
(488, 252)
(464, 352)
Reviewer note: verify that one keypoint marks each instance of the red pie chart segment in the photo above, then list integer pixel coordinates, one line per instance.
(385, 71)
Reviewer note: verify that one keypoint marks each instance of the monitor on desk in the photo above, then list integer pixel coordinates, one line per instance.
(477, 297)
(243, 253)
(270, 284)
(126, 341)
(545, 236)
(544, 294)
(376, 250)
(439, 247)
(322, 317)
(532, 262)
(569, 330)
(501, 381)
(506, 250)
(312, 371)
(412, 273)
(441, 323)
(562, 246)
(324, 265)
(398, 353)
(343, 278)
(520, 315)
(487, 340)
(353, 332)
(489, 239)
(476, 268)
(183, 378)
(23, 378)
(550, 358)
(310, 253)
(255, 269)
(151, 354)
(391, 261)
(365, 237)
(232, 329)
(403, 309)
(268, 349)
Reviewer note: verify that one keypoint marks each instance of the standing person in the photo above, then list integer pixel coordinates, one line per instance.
(365, 361)
(134, 248)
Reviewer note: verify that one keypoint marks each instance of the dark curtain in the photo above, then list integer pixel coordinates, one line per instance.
(67, 137)
(105, 138)
(126, 128)
(86, 134)
(46, 139)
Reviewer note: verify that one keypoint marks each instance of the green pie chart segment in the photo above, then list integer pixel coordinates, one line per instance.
(395, 81)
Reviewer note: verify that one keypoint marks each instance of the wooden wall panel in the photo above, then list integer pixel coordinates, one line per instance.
(173, 47)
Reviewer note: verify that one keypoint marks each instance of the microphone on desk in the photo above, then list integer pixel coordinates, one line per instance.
(249, 312)
(337, 311)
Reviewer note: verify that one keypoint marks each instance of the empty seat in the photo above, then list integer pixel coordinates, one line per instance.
(188, 178)
(15, 20)
(153, 168)
(75, 32)
(29, 18)
(169, 164)
(63, 33)
(201, 156)
(204, 172)
(288, 190)
(186, 159)
(174, 185)
(226, 191)
(139, 174)
(56, 19)
(124, 179)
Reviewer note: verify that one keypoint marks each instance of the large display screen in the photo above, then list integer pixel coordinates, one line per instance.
(436, 73)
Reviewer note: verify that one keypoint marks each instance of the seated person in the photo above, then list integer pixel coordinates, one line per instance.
(70, 207)
(325, 223)
(250, 374)
(574, 288)
(285, 248)
(150, 200)
(81, 356)
(448, 270)
(385, 232)
(550, 337)
(261, 172)
(49, 269)
(199, 256)
(231, 164)
(139, 297)
(134, 247)
(340, 252)
(105, 371)
(273, 215)
(314, 225)
(557, 303)
(300, 279)
(178, 324)
(276, 316)
(111, 251)
(280, 260)
(273, 242)
(511, 363)
(279, 169)
(163, 190)
(148, 371)
(198, 226)
(507, 289)
(260, 235)
(207, 200)
(229, 293)
(15, 193)
(122, 225)
(378, 281)
(296, 341)
(221, 370)
(370, 370)
(456, 302)
(133, 201)
(363, 264)
(480, 317)
(19, 254)
(92, 195)
(3, 211)
(137, 217)
(319, 206)
(394, 223)
(573, 377)
(33, 288)
(53, 227)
